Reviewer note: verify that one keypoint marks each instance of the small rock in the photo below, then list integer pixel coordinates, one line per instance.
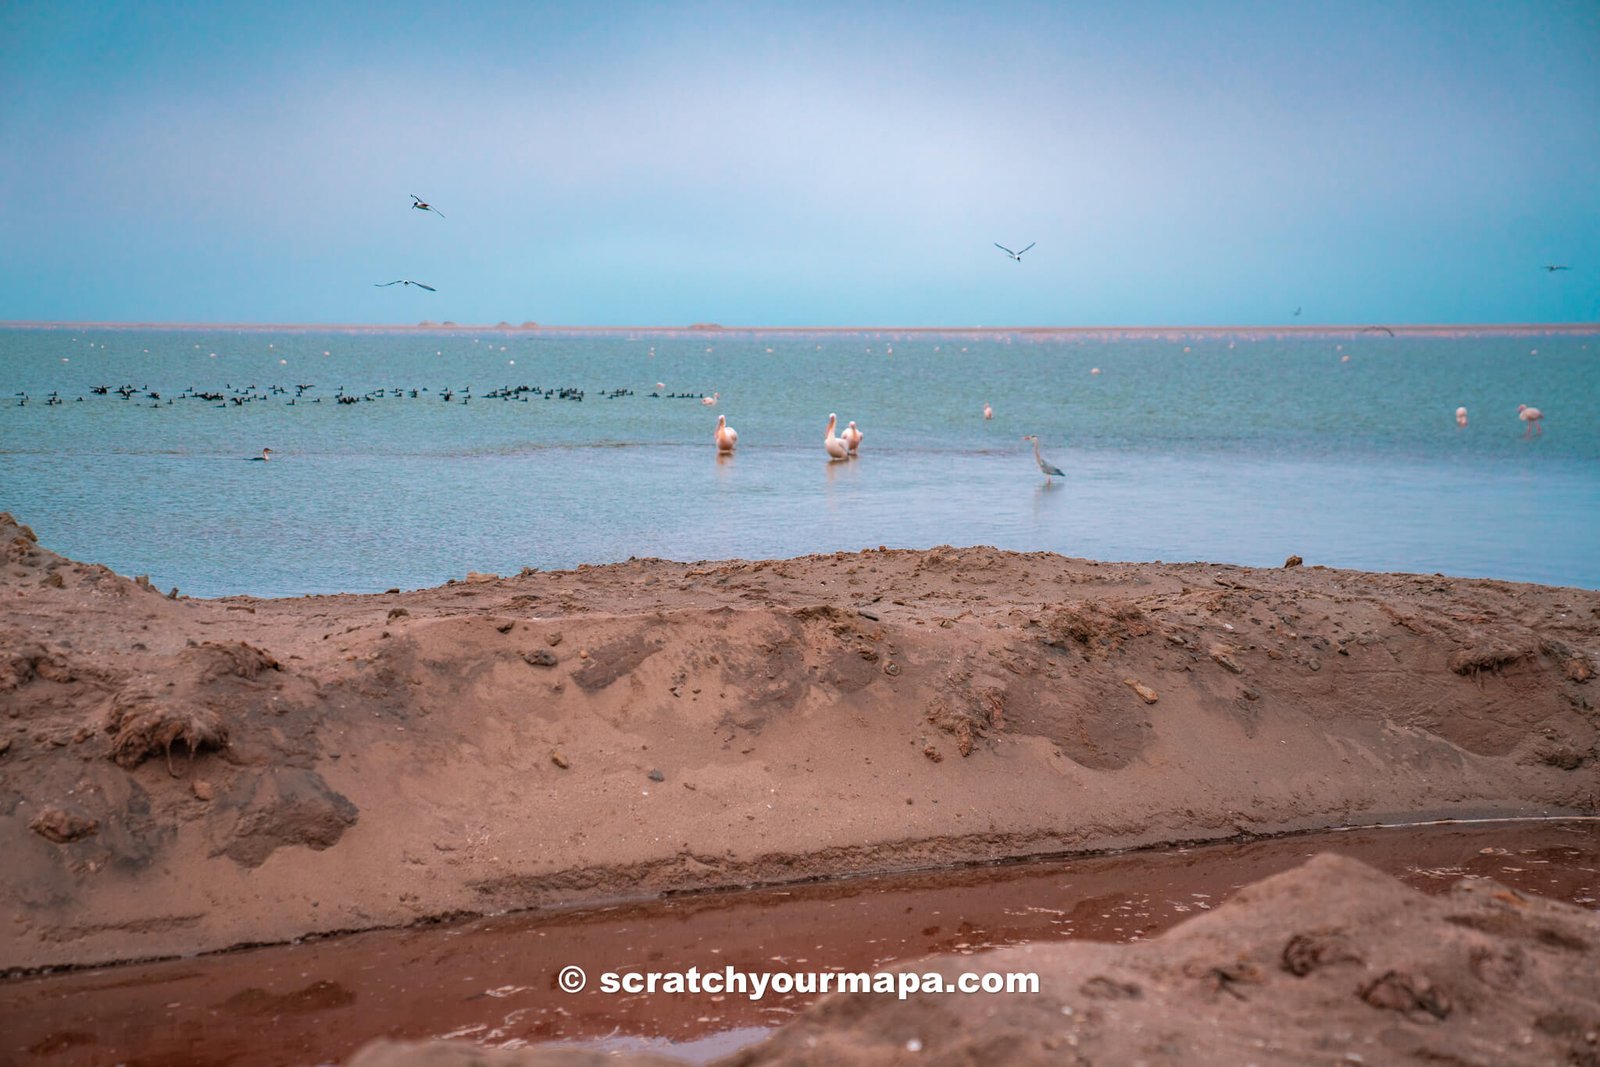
(1293, 561)
(542, 657)
(5, 745)
(202, 789)
(173, 593)
(656, 775)
(583, 653)
(397, 613)
(1146, 694)
(63, 826)
(480, 576)
(933, 754)
(554, 639)
(559, 759)
(891, 668)
(505, 627)
(1222, 656)
(54, 580)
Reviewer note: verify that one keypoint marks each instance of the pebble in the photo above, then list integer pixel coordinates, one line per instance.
(657, 776)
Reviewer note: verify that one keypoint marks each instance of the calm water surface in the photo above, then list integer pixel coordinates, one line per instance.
(1224, 449)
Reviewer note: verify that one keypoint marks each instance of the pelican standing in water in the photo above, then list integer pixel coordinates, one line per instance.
(835, 445)
(727, 436)
(1531, 416)
(852, 440)
(1046, 469)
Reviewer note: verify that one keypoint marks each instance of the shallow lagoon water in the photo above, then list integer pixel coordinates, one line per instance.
(1218, 448)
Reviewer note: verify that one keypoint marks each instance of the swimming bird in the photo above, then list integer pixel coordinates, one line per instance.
(988, 412)
(266, 454)
(831, 441)
(403, 281)
(711, 401)
(1014, 255)
(1531, 416)
(727, 436)
(1555, 267)
(419, 204)
(1044, 467)
(851, 438)
(1461, 416)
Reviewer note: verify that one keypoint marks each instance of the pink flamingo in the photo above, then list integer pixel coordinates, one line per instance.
(727, 436)
(1461, 416)
(1531, 416)
(988, 412)
(836, 447)
(852, 439)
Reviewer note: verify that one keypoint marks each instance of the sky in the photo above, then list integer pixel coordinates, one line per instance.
(801, 164)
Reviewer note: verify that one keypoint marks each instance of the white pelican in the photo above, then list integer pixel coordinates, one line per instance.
(711, 401)
(1046, 469)
(1461, 416)
(727, 436)
(852, 439)
(836, 447)
(1531, 416)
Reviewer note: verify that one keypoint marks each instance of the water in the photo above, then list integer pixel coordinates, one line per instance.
(1238, 449)
(492, 981)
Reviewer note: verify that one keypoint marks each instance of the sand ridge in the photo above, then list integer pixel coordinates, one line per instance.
(182, 775)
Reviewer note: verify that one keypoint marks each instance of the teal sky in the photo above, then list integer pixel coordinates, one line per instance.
(817, 164)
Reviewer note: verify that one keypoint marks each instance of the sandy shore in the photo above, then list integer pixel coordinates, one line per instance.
(183, 775)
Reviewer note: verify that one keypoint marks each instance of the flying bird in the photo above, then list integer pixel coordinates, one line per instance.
(405, 281)
(1556, 267)
(1044, 468)
(1385, 329)
(1297, 313)
(419, 204)
(1014, 255)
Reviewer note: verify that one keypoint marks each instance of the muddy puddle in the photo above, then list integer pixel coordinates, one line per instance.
(494, 981)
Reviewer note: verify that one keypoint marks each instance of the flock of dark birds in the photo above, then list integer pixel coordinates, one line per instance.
(250, 394)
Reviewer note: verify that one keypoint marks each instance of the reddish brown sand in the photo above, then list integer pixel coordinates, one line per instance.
(1331, 963)
(181, 775)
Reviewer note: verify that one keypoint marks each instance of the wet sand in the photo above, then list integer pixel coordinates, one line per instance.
(487, 981)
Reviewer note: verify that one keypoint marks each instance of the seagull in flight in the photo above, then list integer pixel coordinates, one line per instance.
(405, 281)
(419, 204)
(1374, 329)
(1553, 269)
(1014, 255)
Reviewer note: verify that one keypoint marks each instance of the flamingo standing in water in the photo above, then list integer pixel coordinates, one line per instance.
(988, 412)
(852, 440)
(1531, 416)
(1045, 468)
(711, 401)
(835, 445)
(1461, 416)
(727, 436)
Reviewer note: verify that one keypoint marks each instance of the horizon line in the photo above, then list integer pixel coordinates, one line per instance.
(714, 327)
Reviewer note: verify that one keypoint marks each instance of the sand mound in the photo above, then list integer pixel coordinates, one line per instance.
(345, 762)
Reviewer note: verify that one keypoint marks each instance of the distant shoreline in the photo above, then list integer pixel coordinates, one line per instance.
(704, 329)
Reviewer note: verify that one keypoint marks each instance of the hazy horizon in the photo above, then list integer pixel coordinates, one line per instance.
(843, 165)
